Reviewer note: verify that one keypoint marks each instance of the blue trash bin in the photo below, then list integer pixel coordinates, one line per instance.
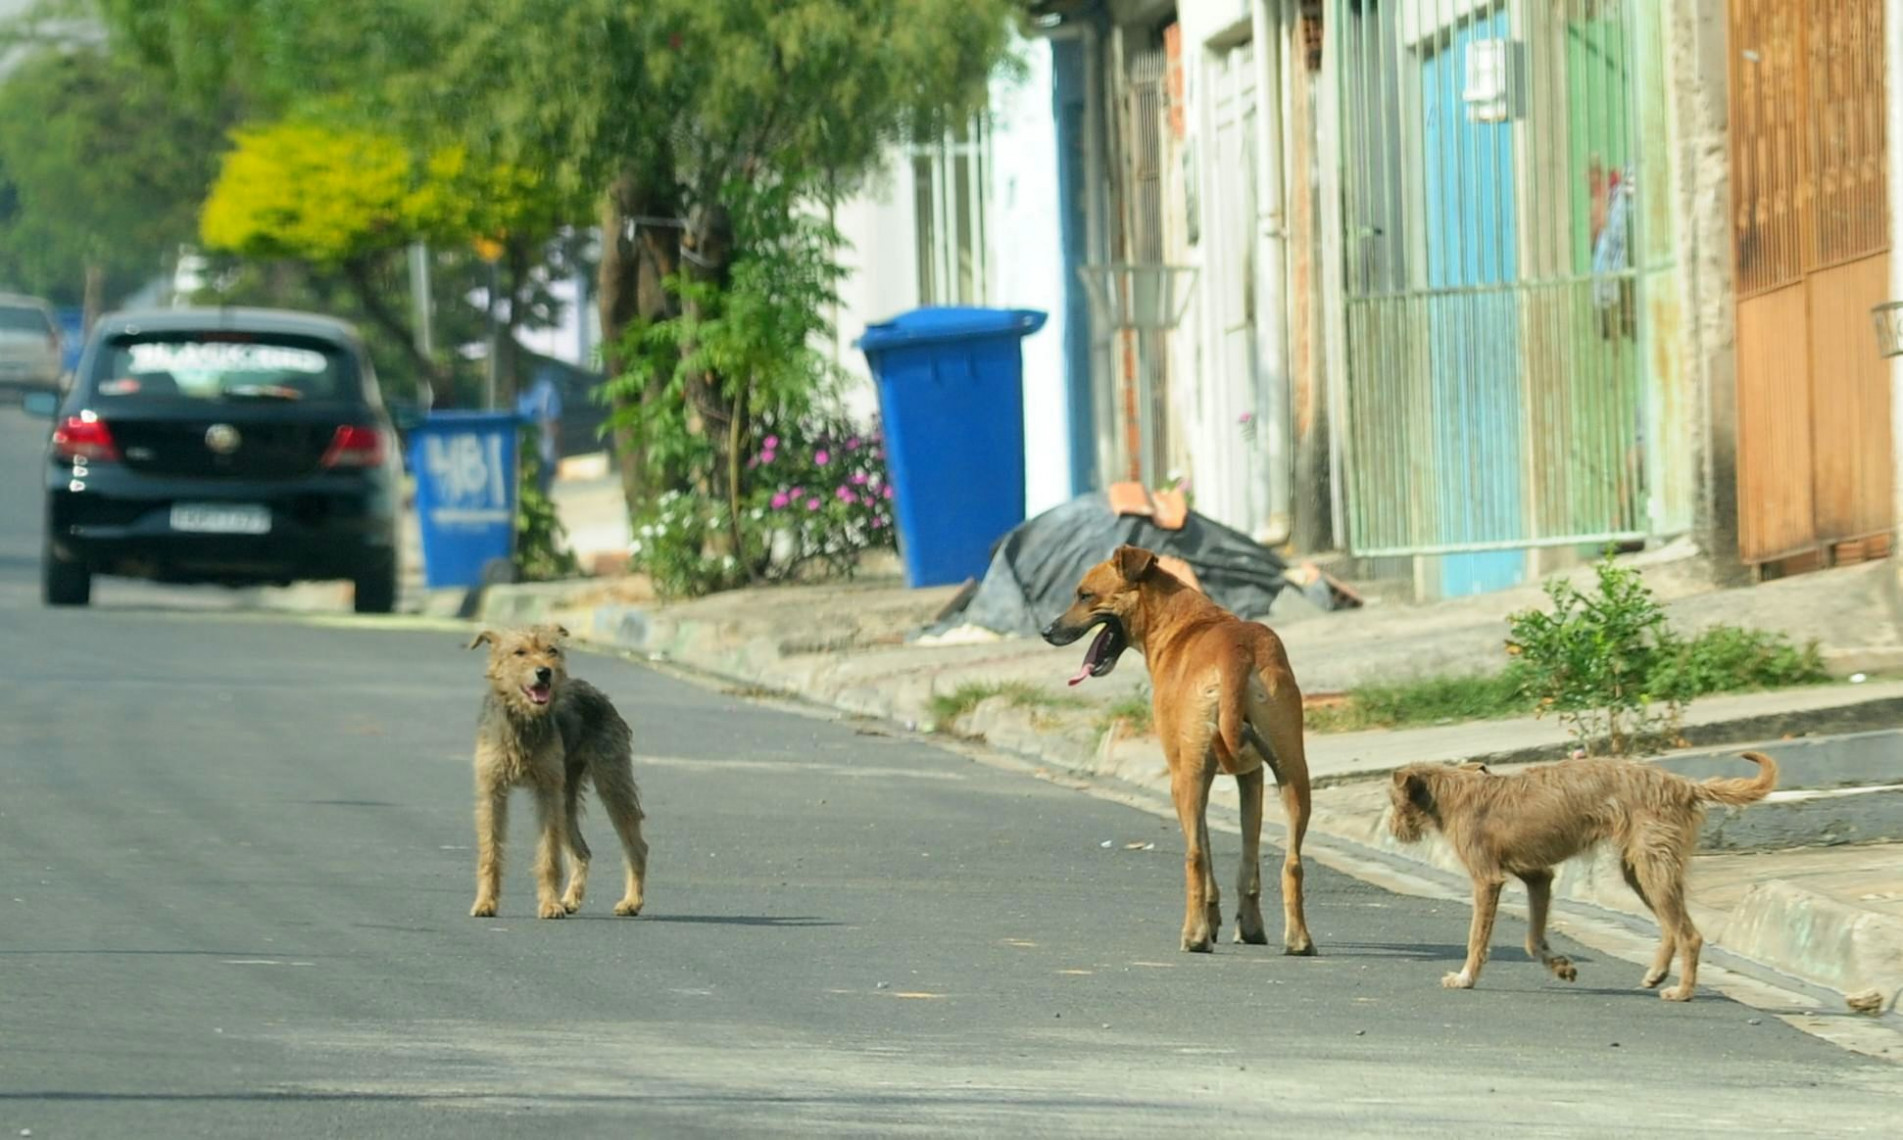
(465, 467)
(951, 392)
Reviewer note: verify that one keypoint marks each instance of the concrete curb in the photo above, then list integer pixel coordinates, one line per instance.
(1807, 934)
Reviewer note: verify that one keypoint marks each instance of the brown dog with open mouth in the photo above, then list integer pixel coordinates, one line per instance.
(1225, 700)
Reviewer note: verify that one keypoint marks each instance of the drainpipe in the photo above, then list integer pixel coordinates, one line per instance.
(1274, 402)
(1893, 116)
(1096, 239)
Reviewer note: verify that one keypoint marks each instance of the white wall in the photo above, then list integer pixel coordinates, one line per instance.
(1024, 260)
(1027, 265)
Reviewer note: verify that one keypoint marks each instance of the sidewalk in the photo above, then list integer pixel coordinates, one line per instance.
(1830, 915)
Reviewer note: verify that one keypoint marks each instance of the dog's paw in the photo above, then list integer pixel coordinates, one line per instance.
(1563, 969)
(551, 910)
(1652, 979)
(571, 904)
(1302, 949)
(1680, 992)
(1198, 943)
(484, 908)
(628, 908)
(1459, 981)
(1253, 937)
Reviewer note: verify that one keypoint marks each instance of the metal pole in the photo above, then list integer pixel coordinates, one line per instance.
(491, 373)
(420, 303)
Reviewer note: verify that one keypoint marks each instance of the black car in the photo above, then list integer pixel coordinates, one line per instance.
(236, 446)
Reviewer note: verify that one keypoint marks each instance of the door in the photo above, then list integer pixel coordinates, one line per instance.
(1812, 251)
(1473, 314)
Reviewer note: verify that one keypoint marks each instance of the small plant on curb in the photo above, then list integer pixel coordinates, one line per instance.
(541, 551)
(1728, 659)
(1593, 658)
(1608, 665)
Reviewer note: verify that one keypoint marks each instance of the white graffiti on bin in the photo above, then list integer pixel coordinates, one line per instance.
(471, 486)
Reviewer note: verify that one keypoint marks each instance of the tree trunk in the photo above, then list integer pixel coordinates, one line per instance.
(706, 252)
(95, 295)
(636, 259)
(362, 281)
(520, 258)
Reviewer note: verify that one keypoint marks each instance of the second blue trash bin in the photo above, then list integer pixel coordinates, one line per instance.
(951, 393)
(465, 493)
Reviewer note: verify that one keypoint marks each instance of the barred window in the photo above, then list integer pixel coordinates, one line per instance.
(949, 177)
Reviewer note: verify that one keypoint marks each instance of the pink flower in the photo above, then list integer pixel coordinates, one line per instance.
(770, 442)
(796, 492)
(852, 443)
(822, 457)
(885, 492)
(780, 500)
(868, 500)
(858, 478)
(878, 524)
(812, 504)
(844, 494)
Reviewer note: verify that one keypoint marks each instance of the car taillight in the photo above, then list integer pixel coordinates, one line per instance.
(84, 436)
(355, 446)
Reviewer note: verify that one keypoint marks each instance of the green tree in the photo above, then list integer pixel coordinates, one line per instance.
(100, 175)
(346, 202)
(668, 108)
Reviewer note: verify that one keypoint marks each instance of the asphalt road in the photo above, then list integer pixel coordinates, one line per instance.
(235, 875)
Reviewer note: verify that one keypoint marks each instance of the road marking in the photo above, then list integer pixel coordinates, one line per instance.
(854, 771)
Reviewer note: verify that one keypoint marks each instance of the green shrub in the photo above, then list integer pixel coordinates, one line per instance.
(541, 552)
(1593, 658)
(1612, 670)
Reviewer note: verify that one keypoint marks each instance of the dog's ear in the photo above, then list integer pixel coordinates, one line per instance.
(486, 637)
(1418, 793)
(1134, 563)
(554, 632)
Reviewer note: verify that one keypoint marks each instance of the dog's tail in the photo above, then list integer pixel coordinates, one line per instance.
(1739, 792)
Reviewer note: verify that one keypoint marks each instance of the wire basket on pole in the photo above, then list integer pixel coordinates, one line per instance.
(1888, 318)
(1139, 302)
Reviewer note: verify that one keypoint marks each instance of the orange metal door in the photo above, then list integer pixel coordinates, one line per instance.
(1812, 249)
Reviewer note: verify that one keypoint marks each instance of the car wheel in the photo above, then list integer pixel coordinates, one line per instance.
(376, 590)
(64, 583)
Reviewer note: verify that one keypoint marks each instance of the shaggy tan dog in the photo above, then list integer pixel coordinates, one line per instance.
(1526, 823)
(546, 731)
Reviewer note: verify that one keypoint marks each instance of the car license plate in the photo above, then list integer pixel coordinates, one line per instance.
(221, 518)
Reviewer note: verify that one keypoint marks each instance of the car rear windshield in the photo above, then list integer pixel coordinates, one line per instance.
(16, 319)
(224, 367)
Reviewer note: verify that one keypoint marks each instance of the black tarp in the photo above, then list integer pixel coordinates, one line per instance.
(1034, 570)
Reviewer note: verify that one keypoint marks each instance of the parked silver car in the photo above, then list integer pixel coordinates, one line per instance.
(29, 344)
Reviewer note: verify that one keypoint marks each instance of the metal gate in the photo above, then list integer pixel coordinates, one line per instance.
(1811, 239)
(1492, 165)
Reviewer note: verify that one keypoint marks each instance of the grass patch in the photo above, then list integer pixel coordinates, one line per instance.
(1133, 711)
(1429, 700)
(948, 707)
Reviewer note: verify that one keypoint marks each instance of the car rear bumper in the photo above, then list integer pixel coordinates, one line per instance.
(332, 526)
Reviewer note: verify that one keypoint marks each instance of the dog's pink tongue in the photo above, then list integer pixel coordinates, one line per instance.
(1083, 674)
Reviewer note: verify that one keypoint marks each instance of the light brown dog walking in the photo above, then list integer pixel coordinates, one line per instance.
(1525, 823)
(1225, 700)
(549, 732)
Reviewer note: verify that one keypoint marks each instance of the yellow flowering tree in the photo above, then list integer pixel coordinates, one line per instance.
(344, 201)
